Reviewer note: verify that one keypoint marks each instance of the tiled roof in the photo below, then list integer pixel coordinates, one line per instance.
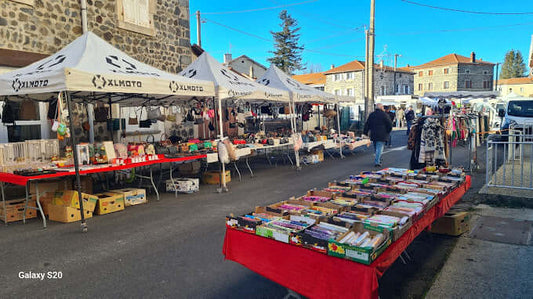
(309, 79)
(524, 80)
(450, 59)
(358, 65)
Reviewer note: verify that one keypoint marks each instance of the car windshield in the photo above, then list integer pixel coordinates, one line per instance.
(520, 108)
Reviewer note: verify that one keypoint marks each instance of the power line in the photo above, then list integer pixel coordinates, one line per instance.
(257, 9)
(268, 40)
(468, 11)
(460, 29)
(237, 30)
(338, 34)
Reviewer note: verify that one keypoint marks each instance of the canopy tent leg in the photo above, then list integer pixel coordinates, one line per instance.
(223, 186)
(76, 159)
(294, 130)
(339, 130)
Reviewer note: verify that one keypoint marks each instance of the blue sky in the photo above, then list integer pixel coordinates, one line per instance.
(335, 29)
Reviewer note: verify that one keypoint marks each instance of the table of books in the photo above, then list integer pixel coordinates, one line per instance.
(317, 275)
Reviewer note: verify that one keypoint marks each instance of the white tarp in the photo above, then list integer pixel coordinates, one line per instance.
(92, 65)
(228, 83)
(276, 78)
(432, 102)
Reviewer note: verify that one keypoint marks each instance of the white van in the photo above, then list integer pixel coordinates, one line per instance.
(518, 113)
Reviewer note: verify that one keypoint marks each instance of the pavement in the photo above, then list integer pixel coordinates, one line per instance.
(500, 268)
(173, 247)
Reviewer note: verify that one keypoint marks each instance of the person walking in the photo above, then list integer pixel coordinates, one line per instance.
(409, 117)
(399, 117)
(380, 125)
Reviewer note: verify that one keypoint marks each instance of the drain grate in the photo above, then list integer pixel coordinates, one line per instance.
(503, 230)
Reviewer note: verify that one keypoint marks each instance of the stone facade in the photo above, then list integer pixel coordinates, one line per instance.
(47, 26)
(453, 73)
(387, 82)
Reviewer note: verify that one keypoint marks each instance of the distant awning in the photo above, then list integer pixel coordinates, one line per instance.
(462, 94)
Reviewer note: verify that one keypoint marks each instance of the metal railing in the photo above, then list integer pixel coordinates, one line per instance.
(510, 159)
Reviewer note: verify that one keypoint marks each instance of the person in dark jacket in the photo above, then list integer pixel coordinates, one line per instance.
(409, 117)
(380, 125)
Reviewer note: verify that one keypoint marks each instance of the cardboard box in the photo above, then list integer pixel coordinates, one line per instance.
(183, 185)
(50, 186)
(109, 203)
(319, 154)
(364, 255)
(66, 214)
(453, 223)
(277, 210)
(46, 199)
(132, 196)
(213, 177)
(15, 210)
(69, 198)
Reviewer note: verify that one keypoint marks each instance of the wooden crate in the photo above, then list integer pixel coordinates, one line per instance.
(15, 210)
(109, 203)
(66, 214)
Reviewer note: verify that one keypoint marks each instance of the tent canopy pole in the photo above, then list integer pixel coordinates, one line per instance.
(76, 161)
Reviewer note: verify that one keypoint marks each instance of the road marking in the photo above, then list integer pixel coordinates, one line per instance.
(401, 148)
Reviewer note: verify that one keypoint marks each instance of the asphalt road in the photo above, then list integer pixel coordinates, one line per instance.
(173, 247)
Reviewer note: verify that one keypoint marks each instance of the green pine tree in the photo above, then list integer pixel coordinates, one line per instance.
(287, 53)
(513, 65)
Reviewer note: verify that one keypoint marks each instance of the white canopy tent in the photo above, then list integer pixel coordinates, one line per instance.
(230, 85)
(298, 92)
(89, 65)
(89, 69)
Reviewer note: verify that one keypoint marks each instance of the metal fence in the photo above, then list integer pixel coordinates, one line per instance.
(510, 159)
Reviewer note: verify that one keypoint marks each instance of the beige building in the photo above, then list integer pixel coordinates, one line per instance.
(520, 86)
(453, 72)
(348, 80)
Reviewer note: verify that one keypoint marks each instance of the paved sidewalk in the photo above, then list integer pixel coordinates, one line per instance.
(478, 268)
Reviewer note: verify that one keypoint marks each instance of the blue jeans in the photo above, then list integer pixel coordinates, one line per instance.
(409, 124)
(378, 150)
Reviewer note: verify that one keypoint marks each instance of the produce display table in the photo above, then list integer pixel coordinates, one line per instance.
(21, 180)
(318, 275)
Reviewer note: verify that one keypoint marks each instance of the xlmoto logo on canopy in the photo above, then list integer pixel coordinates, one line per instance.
(100, 82)
(174, 87)
(18, 84)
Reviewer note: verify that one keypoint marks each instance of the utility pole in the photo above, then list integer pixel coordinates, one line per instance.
(365, 76)
(369, 64)
(198, 29)
(496, 84)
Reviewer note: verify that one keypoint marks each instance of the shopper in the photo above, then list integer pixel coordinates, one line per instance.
(399, 117)
(409, 118)
(380, 125)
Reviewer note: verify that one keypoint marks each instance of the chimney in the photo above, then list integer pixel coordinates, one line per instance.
(408, 65)
(252, 72)
(227, 58)
(473, 57)
(332, 67)
(381, 64)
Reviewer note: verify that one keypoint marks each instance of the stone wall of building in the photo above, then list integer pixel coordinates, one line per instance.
(47, 26)
(456, 77)
(477, 74)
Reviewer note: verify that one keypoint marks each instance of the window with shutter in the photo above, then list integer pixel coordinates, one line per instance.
(136, 15)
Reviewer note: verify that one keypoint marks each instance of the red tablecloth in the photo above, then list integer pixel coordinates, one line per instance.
(22, 180)
(317, 275)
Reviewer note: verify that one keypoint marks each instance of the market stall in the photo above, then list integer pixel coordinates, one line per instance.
(300, 93)
(89, 70)
(337, 242)
(230, 87)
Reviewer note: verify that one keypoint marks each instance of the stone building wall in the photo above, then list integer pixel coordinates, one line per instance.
(457, 75)
(45, 26)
